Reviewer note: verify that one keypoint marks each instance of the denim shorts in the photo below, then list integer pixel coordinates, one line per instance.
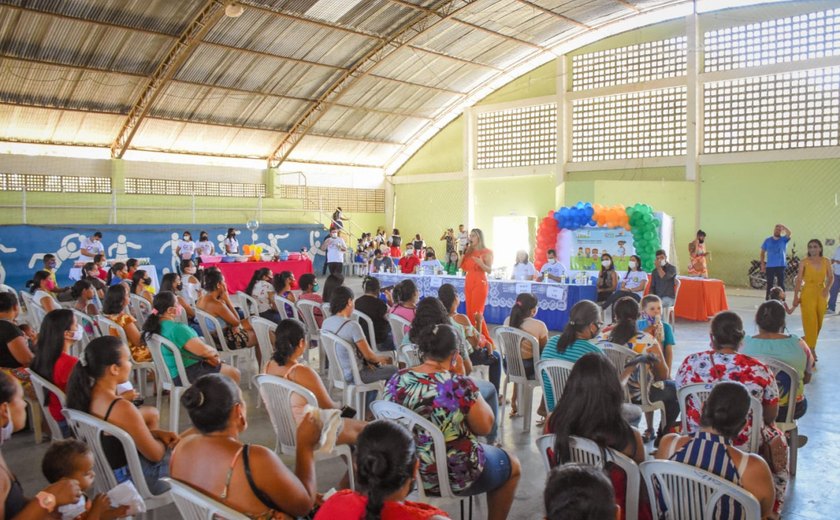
(496, 472)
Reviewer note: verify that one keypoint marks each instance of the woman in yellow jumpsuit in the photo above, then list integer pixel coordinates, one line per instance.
(816, 273)
(477, 263)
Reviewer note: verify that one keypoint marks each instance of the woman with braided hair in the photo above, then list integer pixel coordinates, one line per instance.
(386, 461)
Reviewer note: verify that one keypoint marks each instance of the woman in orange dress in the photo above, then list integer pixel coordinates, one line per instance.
(477, 262)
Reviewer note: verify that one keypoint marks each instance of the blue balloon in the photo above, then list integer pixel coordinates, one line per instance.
(592, 222)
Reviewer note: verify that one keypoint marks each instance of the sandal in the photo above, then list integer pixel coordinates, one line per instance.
(541, 421)
(648, 436)
(513, 412)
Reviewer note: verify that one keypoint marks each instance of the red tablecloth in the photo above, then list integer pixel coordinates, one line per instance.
(700, 299)
(238, 274)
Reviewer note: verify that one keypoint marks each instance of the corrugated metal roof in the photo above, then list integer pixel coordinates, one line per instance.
(72, 69)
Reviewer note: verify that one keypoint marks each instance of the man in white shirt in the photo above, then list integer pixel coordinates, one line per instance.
(463, 239)
(92, 245)
(335, 247)
(835, 288)
(552, 270)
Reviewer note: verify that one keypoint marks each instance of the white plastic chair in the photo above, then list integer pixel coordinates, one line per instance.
(679, 491)
(366, 322)
(27, 304)
(789, 425)
(399, 327)
(409, 354)
(586, 451)
(90, 330)
(553, 374)
(89, 429)
(195, 505)
(281, 302)
(276, 393)
(42, 389)
(139, 307)
(225, 352)
(139, 370)
(163, 379)
(510, 340)
(354, 390)
(669, 312)
(413, 422)
(325, 310)
(7, 288)
(263, 328)
(248, 304)
(619, 355)
(306, 308)
(700, 392)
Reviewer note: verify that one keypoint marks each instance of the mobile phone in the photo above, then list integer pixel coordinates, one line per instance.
(348, 412)
(388, 288)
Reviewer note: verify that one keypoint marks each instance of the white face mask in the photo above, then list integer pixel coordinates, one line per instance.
(189, 270)
(662, 263)
(606, 263)
(552, 260)
(7, 431)
(78, 334)
(632, 264)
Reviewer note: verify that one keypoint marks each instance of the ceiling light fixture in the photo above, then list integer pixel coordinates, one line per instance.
(234, 10)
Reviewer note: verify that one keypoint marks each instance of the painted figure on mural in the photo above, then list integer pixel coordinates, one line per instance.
(119, 249)
(68, 250)
(172, 245)
(4, 249)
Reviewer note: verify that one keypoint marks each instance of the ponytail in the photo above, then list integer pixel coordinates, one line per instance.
(583, 314)
(626, 313)
(385, 459)
(161, 303)
(521, 310)
(118, 266)
(100, 354)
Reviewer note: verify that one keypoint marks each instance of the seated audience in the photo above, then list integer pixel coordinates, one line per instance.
(141, 285)
(90, 273)
(453, 262)
(662, 280)
(578, 492)
(372, 367)
(131, 266)
(624, 332)
(261, 289)
(522, 317)
(73, 459)
(452, 402)
(374, 308)
(651, 322)
(482, 352)
(430, 264)
(192, 286)
(725, 363)
(59, 331)
(249, 478)
(13, 503)
(172, 282)
(523, 268)
(102, 266)
(332, 281)
(62, 294)
(198, 357)
(15, 354)
(283, 283)
(118, 274)
(387, 462)
(772, 342)
(215, 301)
(591, 407)
(41, 287)
(115, 308)
(632, 283)
(289, 347)
(710, 448)
(406, 296)
(575, 340)
(85, 296)
(607, 278)
(309, 291)
(409, 261)
(92, 389)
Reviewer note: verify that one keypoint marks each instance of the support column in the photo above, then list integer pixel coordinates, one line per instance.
(694, 109)
(117, 175)
(469, 161)
(563, 133)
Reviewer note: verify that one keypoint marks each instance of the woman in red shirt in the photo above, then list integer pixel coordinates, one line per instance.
(59, 331)
(477, 263)
(386, 461)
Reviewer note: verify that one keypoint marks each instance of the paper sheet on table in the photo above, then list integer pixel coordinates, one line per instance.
(435, 281)
(555, 293)
(523, 288)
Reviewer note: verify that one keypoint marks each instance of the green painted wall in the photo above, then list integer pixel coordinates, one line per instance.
(526, 196)
(429, 208)
(443, 153)
(541, 81)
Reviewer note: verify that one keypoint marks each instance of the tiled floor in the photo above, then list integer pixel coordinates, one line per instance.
(812, 494)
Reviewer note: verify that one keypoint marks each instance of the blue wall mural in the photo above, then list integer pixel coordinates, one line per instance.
(23, 247)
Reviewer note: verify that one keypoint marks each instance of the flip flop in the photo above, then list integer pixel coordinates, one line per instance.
(648, 436)
(540, 422)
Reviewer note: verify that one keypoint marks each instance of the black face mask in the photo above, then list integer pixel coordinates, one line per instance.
(179, 286)
(701, 240)
(147, 281)
(203, 238)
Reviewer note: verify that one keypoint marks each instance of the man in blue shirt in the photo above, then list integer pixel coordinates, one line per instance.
(552, 270)
(773, 258)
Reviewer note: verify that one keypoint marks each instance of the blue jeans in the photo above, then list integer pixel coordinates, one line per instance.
(832, 297)
(497, 469)
(152, 473)
(775, 277)
(488, 392)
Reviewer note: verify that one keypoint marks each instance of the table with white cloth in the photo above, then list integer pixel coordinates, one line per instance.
(554, 300)
(76, 274)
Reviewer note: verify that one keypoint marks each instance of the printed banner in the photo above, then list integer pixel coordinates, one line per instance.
(22, 248)
(589, 243)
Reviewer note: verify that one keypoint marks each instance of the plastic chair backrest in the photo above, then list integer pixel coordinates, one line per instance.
(786, 377)
(281, 302)
(307, 312)
(366, 323)
(338, 360)
(553, 374)
(334, 372)
(203, 317)
(139, 307)
(43, 388)
(276, 393)
(249, 303)
(27, 303)
(195, 505)
(325, 310)
(585, 451)
(510, 339)
(262, 329)
(700, 392)
(156, 344)
(88, 324)
(410, 354)
(618, 355)
(89, 429)
(107, 325)
(7, 288)
(685, 491)
(413, 422)
(399, 327)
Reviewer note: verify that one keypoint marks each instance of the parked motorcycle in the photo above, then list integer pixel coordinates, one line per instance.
(758, 280)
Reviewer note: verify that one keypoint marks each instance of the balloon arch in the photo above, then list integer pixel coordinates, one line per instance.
(555, 230)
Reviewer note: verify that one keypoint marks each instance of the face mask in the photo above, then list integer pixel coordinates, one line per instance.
(606, 263)
(178, 311)
(203, 239)
(409, 252)
(78, 334)
(50, 285)
(189, 270)
(51, 265)
(187, 239)
(333, 235)
(663, 263)
(701, 240)
(552, 260)
(631, 264)
(147, 281)
(7, 431)
(180, 286)
(315, 287)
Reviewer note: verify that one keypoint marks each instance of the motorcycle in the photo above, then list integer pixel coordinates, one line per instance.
(758, 280)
